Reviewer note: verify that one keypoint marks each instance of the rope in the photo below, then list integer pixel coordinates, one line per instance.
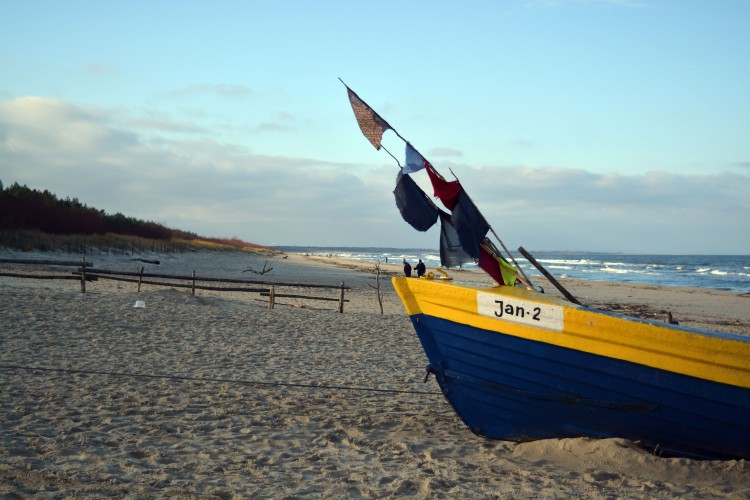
(183, 378)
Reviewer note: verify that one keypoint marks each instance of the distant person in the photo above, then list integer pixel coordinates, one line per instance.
(407, 269)
(420, 269)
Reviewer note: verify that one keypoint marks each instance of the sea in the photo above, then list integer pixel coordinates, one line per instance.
(719, 272)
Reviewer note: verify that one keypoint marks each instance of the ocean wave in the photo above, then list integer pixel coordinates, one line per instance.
(574, 262)
(707, 271)
(612, 270)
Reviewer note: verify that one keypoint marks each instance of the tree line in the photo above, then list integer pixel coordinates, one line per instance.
(23, 208)
(26, 209)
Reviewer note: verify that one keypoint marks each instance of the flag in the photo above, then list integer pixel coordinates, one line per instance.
(470, 224)
(414, 161)
(445, 190)
(370, 123)
(415, 206)
(497, 267)
(451, 253)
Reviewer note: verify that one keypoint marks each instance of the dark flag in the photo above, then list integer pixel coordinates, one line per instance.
(469, 223)
(447, 191)
(415, 206)
(451, 252)
(371, 124)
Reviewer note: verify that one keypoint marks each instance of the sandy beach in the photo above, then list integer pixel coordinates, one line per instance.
(218, 396)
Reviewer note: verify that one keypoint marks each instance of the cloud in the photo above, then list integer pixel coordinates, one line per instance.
(281, 122)
(445, 153)
(655, 212)
(38, 126)
(165, 124)
(567, 187)
(193, 181)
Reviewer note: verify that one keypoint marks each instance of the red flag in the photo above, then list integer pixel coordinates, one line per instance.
(447, 191)
(490, 266)
(370, 123)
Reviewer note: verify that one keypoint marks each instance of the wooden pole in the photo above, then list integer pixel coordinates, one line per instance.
(83, 275)
(193, 282)
(526, 281)
(140, 278)
(341, 299)
(377, 286)
(271, 297)
(547, 275)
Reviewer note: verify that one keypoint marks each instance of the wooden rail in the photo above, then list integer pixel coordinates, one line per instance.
(48, 262)
(86, 273)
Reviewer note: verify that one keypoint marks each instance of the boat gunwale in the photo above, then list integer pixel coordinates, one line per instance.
(550, 299)
(717, 356)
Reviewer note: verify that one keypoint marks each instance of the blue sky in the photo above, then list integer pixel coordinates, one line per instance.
(602, 125)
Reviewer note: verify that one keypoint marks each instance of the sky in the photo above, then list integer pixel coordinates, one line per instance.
(581, 125)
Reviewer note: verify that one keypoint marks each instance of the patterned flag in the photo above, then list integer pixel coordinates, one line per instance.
(371, 124)
(414, 161)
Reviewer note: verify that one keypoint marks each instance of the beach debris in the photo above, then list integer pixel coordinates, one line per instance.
(140, 304)
(147, 261)
(377, 287)
(266, 269)
(638, 311)
(669, 319)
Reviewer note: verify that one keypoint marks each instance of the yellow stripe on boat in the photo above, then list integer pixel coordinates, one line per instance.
(666, 347)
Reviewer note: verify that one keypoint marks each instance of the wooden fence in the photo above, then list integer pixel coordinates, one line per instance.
(85, 272)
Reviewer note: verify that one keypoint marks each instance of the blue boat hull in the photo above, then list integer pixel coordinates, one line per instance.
(512, 388)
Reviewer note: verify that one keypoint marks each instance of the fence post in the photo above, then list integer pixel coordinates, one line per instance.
(193, 282)
(377, 285)
(341, 299)
(83, 274)
(140, 277)
(271, 297)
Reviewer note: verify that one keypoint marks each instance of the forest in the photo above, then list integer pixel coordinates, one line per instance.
(26, 214)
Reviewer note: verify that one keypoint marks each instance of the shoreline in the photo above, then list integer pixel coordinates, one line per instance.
(217, 396)
(719, 272)
(706, 309)
(701, 308)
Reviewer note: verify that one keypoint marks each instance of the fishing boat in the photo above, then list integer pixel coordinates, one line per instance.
(518, 364)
